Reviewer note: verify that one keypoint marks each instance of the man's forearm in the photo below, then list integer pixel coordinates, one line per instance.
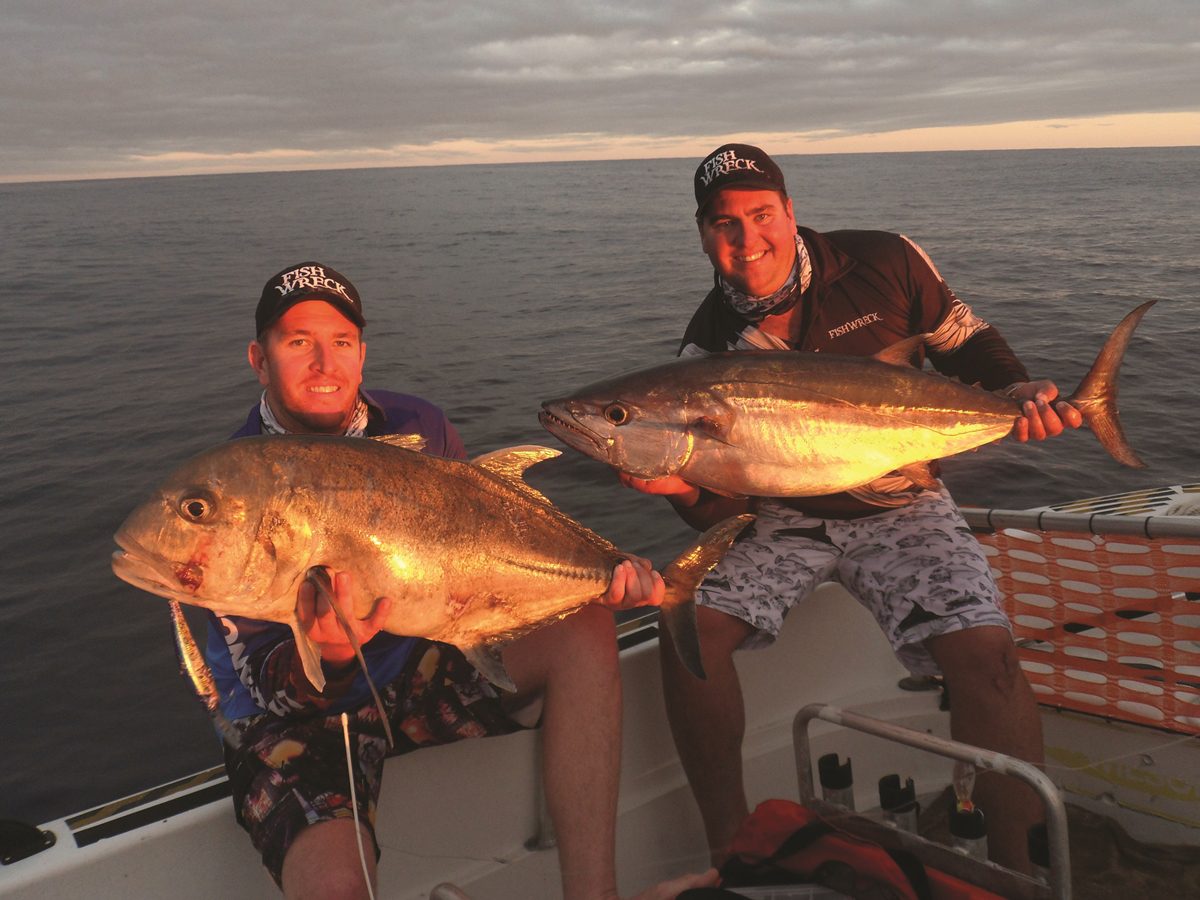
(707, 509)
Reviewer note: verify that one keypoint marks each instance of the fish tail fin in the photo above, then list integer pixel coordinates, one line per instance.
(683, 576)
(319, 577)
(1096, 396)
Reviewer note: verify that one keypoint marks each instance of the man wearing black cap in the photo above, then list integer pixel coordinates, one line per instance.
(904, 551)
(288, 777)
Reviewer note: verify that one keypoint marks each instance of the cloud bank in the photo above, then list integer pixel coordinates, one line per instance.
(142, 87)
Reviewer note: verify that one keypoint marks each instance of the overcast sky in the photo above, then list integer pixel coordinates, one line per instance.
(150, 87)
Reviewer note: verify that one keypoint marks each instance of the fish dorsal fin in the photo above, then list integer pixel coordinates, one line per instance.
(902, 352)
(510, 464)
(406, 441)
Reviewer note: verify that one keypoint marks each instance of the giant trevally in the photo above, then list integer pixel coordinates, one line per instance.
(468, 552)
(787, 424)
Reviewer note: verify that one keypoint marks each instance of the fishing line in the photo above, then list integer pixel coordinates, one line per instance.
(362, 855)
(1143, 752)
(322, 582)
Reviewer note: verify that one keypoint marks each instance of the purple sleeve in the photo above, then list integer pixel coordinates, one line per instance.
(452, 445)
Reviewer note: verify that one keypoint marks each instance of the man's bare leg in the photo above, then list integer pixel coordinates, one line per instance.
(573, 665)
(323, 863)
(992, 706)
(708, 722)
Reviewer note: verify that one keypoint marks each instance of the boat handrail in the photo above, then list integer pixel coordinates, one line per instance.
(983, 520)
(986, 874)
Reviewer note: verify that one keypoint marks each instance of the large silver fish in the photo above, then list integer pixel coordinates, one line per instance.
(469, 553)
(786, 424)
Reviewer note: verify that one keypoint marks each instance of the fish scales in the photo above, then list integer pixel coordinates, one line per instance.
(468, 554)
(782, 423)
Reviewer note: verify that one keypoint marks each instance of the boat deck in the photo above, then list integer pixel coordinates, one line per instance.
(471, 812)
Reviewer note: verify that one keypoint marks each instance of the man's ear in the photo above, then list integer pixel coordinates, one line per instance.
(258, 362)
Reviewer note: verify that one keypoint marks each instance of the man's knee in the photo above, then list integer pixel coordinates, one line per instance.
(592, 631)
(721, 631)
(323, 862)
(979, 662)
(719, 635)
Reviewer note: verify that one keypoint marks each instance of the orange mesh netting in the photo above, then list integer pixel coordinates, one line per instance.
(1103, 621)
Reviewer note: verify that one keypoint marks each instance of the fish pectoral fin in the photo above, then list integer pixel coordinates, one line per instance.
(488, 660)
(722, 492)
(902, 353)
(405, 441)
(310, 655)
(920, 475)
(711, 427)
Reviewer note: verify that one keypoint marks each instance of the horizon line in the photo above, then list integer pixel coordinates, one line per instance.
(1115, 132)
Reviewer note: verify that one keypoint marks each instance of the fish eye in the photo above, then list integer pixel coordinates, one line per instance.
(195, 507)
(616, 414)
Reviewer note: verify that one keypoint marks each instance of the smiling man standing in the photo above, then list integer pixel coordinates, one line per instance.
(903, 551)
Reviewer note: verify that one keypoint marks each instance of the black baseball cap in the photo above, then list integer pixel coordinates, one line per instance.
(735, 166)
(306, 281)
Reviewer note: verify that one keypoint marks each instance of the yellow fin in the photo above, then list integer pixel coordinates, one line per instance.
(406, 441)
(711, 427)
(510, 464)
(489, 661)
(919, 474)
(722, 492)
(683, 576)
(310, 655)
(905, 352)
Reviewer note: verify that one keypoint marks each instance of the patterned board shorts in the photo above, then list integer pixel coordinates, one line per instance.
(291, 772)
(917, 569)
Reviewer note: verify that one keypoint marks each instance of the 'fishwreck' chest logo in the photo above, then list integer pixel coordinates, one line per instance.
(724, 163)
(854, 324)
(310, 278)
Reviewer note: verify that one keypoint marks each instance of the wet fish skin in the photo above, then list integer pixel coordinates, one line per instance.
(468, 553)
(781, 423)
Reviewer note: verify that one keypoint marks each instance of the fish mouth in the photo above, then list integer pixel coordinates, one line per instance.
(134, 564)
(571, 432)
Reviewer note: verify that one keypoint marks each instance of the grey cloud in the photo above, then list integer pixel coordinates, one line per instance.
(104, 81)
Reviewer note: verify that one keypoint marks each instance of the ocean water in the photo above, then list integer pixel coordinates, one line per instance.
(127, 308)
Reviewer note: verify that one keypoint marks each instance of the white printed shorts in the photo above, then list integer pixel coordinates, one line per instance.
(917, 569)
